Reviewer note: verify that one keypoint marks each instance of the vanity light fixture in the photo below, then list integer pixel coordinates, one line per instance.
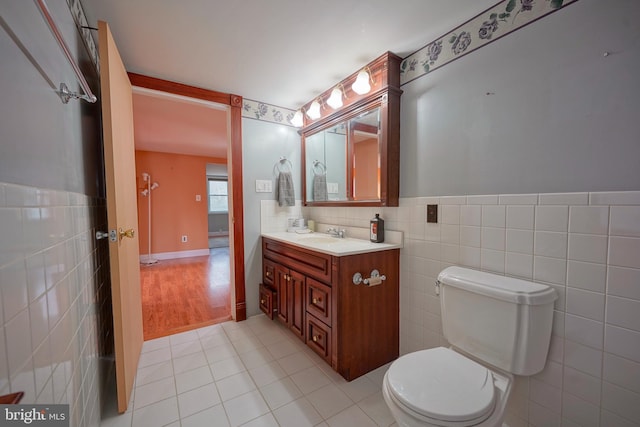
(335, 99)
(314, 110)
(298, 119)
(361, 85)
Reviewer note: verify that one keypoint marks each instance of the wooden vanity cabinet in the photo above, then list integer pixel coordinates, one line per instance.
(354, 328)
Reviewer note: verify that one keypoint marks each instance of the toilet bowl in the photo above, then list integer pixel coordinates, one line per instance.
(441, 387)
(498, 327)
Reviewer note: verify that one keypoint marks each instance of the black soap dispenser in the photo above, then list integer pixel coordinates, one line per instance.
(376, 229)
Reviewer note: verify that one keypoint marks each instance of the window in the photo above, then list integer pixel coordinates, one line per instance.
(218, 195)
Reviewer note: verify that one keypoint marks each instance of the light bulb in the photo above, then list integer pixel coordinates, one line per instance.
(297, 120)
(335, 100)
(361, 85)
(314, 110)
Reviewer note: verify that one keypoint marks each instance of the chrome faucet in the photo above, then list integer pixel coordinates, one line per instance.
(334, 232)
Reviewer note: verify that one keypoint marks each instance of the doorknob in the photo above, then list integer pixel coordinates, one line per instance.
(130, 233)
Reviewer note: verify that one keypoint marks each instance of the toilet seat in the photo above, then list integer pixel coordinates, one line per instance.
(442, 387)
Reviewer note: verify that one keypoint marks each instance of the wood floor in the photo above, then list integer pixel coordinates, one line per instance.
(184, 294)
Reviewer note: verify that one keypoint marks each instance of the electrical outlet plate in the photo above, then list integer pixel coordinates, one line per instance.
(432, 213)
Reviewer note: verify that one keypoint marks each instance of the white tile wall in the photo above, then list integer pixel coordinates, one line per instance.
(625, 221)
(49, 281)
(585, 245)
(274, 218)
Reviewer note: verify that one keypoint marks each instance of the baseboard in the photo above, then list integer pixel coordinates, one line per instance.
(178, 254)
(218, 233)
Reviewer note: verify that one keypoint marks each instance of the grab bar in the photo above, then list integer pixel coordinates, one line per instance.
(65, 94)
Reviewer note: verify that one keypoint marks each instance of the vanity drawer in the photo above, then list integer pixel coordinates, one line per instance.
(268, 301)
(318, 300)
(307, 262)
(268, 272)
(319, 338)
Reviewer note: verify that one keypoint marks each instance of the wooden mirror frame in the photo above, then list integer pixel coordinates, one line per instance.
(237, 216)
(385, 93)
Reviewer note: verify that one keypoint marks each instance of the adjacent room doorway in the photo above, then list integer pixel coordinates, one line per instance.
(179, 140)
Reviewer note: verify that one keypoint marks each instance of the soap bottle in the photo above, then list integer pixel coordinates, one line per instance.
(376, 229)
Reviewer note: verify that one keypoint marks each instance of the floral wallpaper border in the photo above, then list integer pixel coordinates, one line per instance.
(266, 112)
(497, 21)
(83, 27)
(490, 25)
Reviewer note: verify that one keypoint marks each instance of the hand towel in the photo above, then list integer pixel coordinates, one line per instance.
(285, 193)
(320, 188)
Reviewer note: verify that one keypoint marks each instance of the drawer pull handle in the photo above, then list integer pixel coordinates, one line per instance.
(262, 301)
(317, 300)
(268, 274)
(316, 338)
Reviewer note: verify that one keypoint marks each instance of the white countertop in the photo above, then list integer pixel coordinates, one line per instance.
(322, 242)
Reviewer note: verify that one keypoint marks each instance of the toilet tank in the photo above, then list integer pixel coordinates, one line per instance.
(505, 322)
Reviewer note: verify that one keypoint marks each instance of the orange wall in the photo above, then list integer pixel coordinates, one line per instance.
(174, 209)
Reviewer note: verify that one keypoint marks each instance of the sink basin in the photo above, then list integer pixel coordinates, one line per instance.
(318, 240)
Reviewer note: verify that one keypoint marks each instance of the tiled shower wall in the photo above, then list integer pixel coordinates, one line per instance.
(585, 245)
(55, 293)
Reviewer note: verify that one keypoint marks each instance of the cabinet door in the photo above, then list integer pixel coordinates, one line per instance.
(282, 286)
(297, 307)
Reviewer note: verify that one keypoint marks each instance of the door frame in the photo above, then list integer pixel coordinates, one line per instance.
(239, 305)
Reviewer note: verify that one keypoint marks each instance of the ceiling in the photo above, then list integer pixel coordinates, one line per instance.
(281, 52)
(174, 124)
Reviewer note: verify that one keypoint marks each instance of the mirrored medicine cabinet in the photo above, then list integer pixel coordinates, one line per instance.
(351, 156)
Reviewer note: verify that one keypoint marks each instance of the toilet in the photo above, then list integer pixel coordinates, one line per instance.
(497, 327)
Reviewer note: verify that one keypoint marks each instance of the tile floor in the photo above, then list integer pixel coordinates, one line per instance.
(252, 373)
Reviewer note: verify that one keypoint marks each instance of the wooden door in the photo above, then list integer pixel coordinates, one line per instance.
(117, 118)
(297, 310)
(282, 286)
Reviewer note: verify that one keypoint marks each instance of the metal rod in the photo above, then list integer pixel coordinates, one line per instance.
(88, 95)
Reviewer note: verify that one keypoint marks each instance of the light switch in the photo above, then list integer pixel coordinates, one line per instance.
(198, 198)
(264, 186)
(332, 187)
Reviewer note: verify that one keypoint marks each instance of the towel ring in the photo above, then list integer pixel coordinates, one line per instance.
(319, 168)
(283, 165)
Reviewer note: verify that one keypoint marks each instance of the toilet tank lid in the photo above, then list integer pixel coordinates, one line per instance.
(500, 287)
